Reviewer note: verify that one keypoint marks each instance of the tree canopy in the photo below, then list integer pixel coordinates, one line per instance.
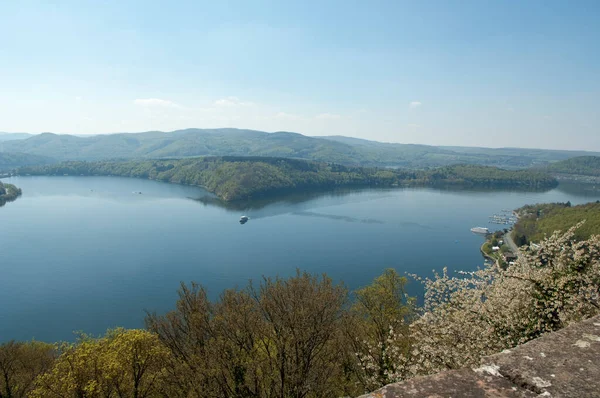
(581, 165)
(237, 178)
(539, 221)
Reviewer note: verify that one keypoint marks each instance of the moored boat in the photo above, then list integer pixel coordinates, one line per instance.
(480, 230)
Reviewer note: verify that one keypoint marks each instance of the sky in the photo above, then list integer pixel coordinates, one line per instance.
(471, 73)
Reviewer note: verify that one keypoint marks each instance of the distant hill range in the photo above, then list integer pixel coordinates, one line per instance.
(582, 165)
(10, 161)
(236, 142)
(14, 136)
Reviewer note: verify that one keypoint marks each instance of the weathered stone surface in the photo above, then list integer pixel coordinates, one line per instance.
(455, 383)
(561, 364)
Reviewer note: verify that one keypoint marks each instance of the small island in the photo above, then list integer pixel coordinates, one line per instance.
(234, 178)
(8, 193)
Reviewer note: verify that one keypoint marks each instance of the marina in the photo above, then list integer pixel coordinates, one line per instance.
(504, 218)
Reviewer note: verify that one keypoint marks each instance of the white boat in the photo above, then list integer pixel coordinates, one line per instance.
(480, 230)
(244, 219)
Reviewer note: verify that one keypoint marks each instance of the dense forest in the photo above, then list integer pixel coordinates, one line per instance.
(9, 161)
(308, 337)
(541, 220)
(581, 165)
(8, 193)
(236, 178)
(237, 142)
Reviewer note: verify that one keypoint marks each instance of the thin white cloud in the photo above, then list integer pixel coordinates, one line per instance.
(415, 104)
(288, 116)
(232, 101)
(155, 102)
(328, 116)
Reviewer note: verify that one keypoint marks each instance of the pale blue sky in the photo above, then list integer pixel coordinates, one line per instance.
(479, 73)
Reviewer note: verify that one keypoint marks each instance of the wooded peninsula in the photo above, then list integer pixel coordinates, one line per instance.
(234, 178)
(8, 193)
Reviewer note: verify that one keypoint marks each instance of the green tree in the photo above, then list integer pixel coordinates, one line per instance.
(284, 338)
(382, 312)
(20, 364)
(123, 363)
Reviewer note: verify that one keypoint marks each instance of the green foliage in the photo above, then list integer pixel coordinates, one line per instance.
(123, 363)
(539, 221)
(8, 193)
(236, 178)
(582, 165)
(9, 161)
(381, 309)
(486, 176)
(293, 337)
(20, 364)
(234, 142)
(487, 248)
(284, 338)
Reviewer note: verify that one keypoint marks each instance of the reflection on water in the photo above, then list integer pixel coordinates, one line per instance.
(584, 190)
(338, 218)
(287, 199)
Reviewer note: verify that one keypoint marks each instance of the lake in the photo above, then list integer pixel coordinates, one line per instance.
(87, 253)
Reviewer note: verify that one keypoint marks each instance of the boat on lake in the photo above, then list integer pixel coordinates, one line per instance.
(244, 219)
(480, 230)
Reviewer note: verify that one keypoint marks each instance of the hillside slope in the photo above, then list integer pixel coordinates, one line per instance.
(235, 178)
(539, 221)
(235, 142)
(14, 136)
(9, 160)
(582, 165)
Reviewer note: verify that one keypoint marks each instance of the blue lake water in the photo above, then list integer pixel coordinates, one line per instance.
(87, 253)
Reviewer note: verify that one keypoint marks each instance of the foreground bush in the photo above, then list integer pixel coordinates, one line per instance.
(493, 309)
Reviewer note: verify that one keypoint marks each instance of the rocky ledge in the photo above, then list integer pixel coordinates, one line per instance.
(560, 364)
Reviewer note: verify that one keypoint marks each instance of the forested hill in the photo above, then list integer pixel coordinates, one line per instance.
(541, 220)
(582, 165)
(236, 178)
(236, 142)
(9, 161)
